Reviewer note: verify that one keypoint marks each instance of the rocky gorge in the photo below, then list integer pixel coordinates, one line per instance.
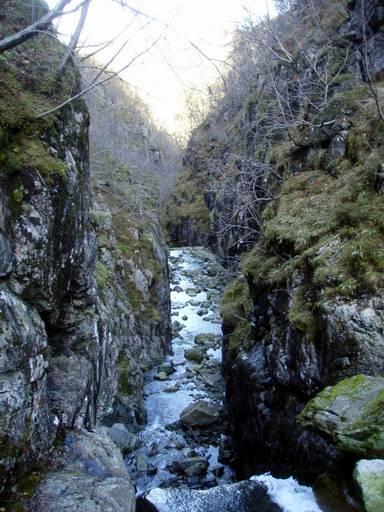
(134, 377)
(282, 185)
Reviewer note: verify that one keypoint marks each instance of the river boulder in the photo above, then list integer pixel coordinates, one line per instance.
(191, 466)
(351, 413)
(125, 440)
(196, 355)
(200, 414)
(369, 475)
(166, 367)
(239, 497)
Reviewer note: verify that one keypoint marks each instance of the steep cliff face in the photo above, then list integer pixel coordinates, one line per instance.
(48, 253)
(294, 175)
(133, 301)
(72, 337)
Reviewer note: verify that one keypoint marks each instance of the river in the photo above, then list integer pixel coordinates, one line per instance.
(182, 466)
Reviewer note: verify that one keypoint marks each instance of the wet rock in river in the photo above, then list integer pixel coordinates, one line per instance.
(191, 466)
(207, 339)
(125, 440)
(177, 289)
(152, 470)
(195, 354)
(153, 449)
(176, 326)
(141, 463)
(192, 292)
(184, 317)
(166, 367)
(161, 376)
(172, 388)
(241, 497)
(175, 441)
(200, 414)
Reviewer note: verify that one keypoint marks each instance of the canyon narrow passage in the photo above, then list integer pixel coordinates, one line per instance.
(182, 464)
(186, 452)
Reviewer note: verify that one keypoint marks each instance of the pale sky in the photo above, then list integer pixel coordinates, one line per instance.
(163, 74)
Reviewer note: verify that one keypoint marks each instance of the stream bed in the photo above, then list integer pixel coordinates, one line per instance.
(182, 463)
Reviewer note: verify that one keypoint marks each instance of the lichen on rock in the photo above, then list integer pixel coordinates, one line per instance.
(351, 414)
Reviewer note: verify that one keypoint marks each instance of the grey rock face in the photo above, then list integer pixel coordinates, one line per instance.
(136, 332)
(72, 335)
(6, 256)
(44, 294)
(267, 386)
(92, 478)
(354, 332)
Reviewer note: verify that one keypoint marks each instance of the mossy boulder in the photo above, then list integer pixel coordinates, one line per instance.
(196, 355)
(351, 413)
(369, 475)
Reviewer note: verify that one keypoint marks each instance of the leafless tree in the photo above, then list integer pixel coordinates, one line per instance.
(43, 23)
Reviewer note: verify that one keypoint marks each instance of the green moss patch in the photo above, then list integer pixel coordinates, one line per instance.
(187, 203)
(29, 87)
(235, 308)
(351, 413)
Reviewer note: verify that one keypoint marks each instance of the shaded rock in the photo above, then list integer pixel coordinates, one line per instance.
(200, 414)
(191, 466)
(177, 289)
(141, 463)
(152, 470)
(153, 449)
(369, 475)
(333, 495)
(143, 505)
(176, 325)
(125, 440)
(166, 367)
(175, 441)
(6, 256)
(184, 317)
(93, 478)
(351, 413)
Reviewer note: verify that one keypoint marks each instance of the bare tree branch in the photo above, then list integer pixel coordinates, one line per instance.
(74, 39)
(27, 33)
(100, 82)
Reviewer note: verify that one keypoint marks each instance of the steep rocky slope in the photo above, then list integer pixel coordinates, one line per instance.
(290, 169)
(72, 301)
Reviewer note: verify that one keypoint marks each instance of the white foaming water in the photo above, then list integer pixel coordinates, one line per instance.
(289, 494)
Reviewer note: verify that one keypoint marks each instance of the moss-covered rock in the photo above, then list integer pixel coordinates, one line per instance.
(369, 475)
(351, 413)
